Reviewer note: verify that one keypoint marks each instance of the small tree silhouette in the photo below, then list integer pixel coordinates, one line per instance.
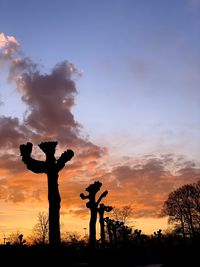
(51, 167)
(92, 204)
(109, 229)
(118, 232)
(101, 210)
(41, 228)
(158, 234)
(116, 226)
(137, 233)
(125, 232)
(21, 239)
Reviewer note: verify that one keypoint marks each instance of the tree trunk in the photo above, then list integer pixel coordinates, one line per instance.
(101, 220)
(183, 227)
(54, 209)
(110, 234)
(93, 219)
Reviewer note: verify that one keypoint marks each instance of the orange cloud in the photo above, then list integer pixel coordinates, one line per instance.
(8, 44)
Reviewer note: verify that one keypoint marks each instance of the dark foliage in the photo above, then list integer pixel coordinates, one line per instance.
(171, 251)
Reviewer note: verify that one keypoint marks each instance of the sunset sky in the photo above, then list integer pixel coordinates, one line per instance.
(118, 82)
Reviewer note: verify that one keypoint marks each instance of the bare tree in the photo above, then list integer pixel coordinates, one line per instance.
(174, 209)
(122, 214)
(41, 229)
(16, 238)
(182, 207)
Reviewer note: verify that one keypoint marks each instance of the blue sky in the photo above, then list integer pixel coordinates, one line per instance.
(138, 92)
(139, 59)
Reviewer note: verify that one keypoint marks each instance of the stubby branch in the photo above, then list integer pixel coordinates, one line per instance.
(65, 157)
(104, 194)
(33, 165)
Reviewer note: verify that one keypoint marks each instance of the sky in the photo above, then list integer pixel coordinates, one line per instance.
(117, 82)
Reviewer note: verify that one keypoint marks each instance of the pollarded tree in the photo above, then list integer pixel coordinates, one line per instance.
(51, 167)
(109, 229)
(92, 204)
(101, 210)
(118, 233)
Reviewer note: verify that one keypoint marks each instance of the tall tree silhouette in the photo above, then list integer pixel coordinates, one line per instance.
(183, 209)
(101, 210)
(51, 167)
(92, 204)
(41, 228)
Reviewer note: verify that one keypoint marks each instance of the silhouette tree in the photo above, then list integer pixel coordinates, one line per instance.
(41, 228)
(4, 239)
(51, 167)
(116, 226)
(182, 207)
(109, 229)
(101, 210)
(92, 204)
(118, 232)
(158, 234)
(21, 239)
(123, 213)
(137, 233)
(124, 233)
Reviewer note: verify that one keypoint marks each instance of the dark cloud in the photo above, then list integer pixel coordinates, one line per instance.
(189, 173)
(12, 133)
(49, 98)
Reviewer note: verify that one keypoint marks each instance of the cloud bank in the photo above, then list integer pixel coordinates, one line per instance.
(49, 99)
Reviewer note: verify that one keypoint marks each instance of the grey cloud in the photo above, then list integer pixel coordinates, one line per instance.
(12, 133)
(46, 97)
(49, 98)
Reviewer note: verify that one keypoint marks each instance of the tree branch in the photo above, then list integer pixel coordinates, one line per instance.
(104, 194)
(66, 156)
(82, 196)
(33, 165)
